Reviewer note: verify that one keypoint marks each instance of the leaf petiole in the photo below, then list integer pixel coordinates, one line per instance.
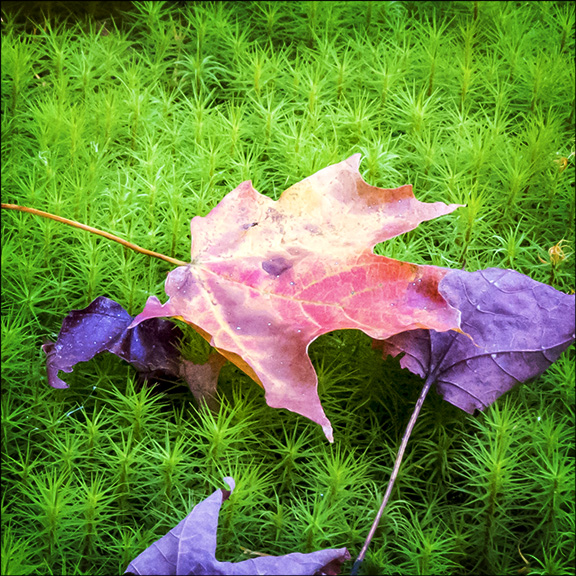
(95, 231)
(411, 423)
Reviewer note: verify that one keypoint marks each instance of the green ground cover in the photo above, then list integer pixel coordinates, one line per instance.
(138, 125)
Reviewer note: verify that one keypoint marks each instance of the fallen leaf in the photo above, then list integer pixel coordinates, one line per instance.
(190, 548)
(151, 347)
(517, 328)
(268, 277)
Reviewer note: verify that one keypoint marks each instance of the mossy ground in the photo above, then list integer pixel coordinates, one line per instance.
(137, 125)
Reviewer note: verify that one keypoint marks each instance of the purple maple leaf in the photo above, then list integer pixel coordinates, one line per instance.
(151, 347)
(516, 328)
(190, 548)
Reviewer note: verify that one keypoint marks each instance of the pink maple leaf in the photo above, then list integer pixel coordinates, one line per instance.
(268, 277)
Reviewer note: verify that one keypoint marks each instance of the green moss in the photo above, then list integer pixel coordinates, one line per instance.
(139, 126)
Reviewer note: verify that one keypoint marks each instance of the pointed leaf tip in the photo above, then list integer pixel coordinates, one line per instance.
(354, 161)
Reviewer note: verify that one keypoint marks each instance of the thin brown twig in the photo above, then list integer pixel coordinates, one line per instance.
(96, 231)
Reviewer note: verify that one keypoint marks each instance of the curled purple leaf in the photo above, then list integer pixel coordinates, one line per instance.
(151, 347)
(190, 548)
(517, 327)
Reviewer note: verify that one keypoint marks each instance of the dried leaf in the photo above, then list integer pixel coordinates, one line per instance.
(268, 277)
(151, 347)
(190, 548)
(517, 327)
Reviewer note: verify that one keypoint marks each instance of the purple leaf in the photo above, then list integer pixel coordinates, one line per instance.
(518, 327)
(151, 347)
(190, 548)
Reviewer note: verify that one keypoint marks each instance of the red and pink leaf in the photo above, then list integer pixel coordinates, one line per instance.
(268, 277)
